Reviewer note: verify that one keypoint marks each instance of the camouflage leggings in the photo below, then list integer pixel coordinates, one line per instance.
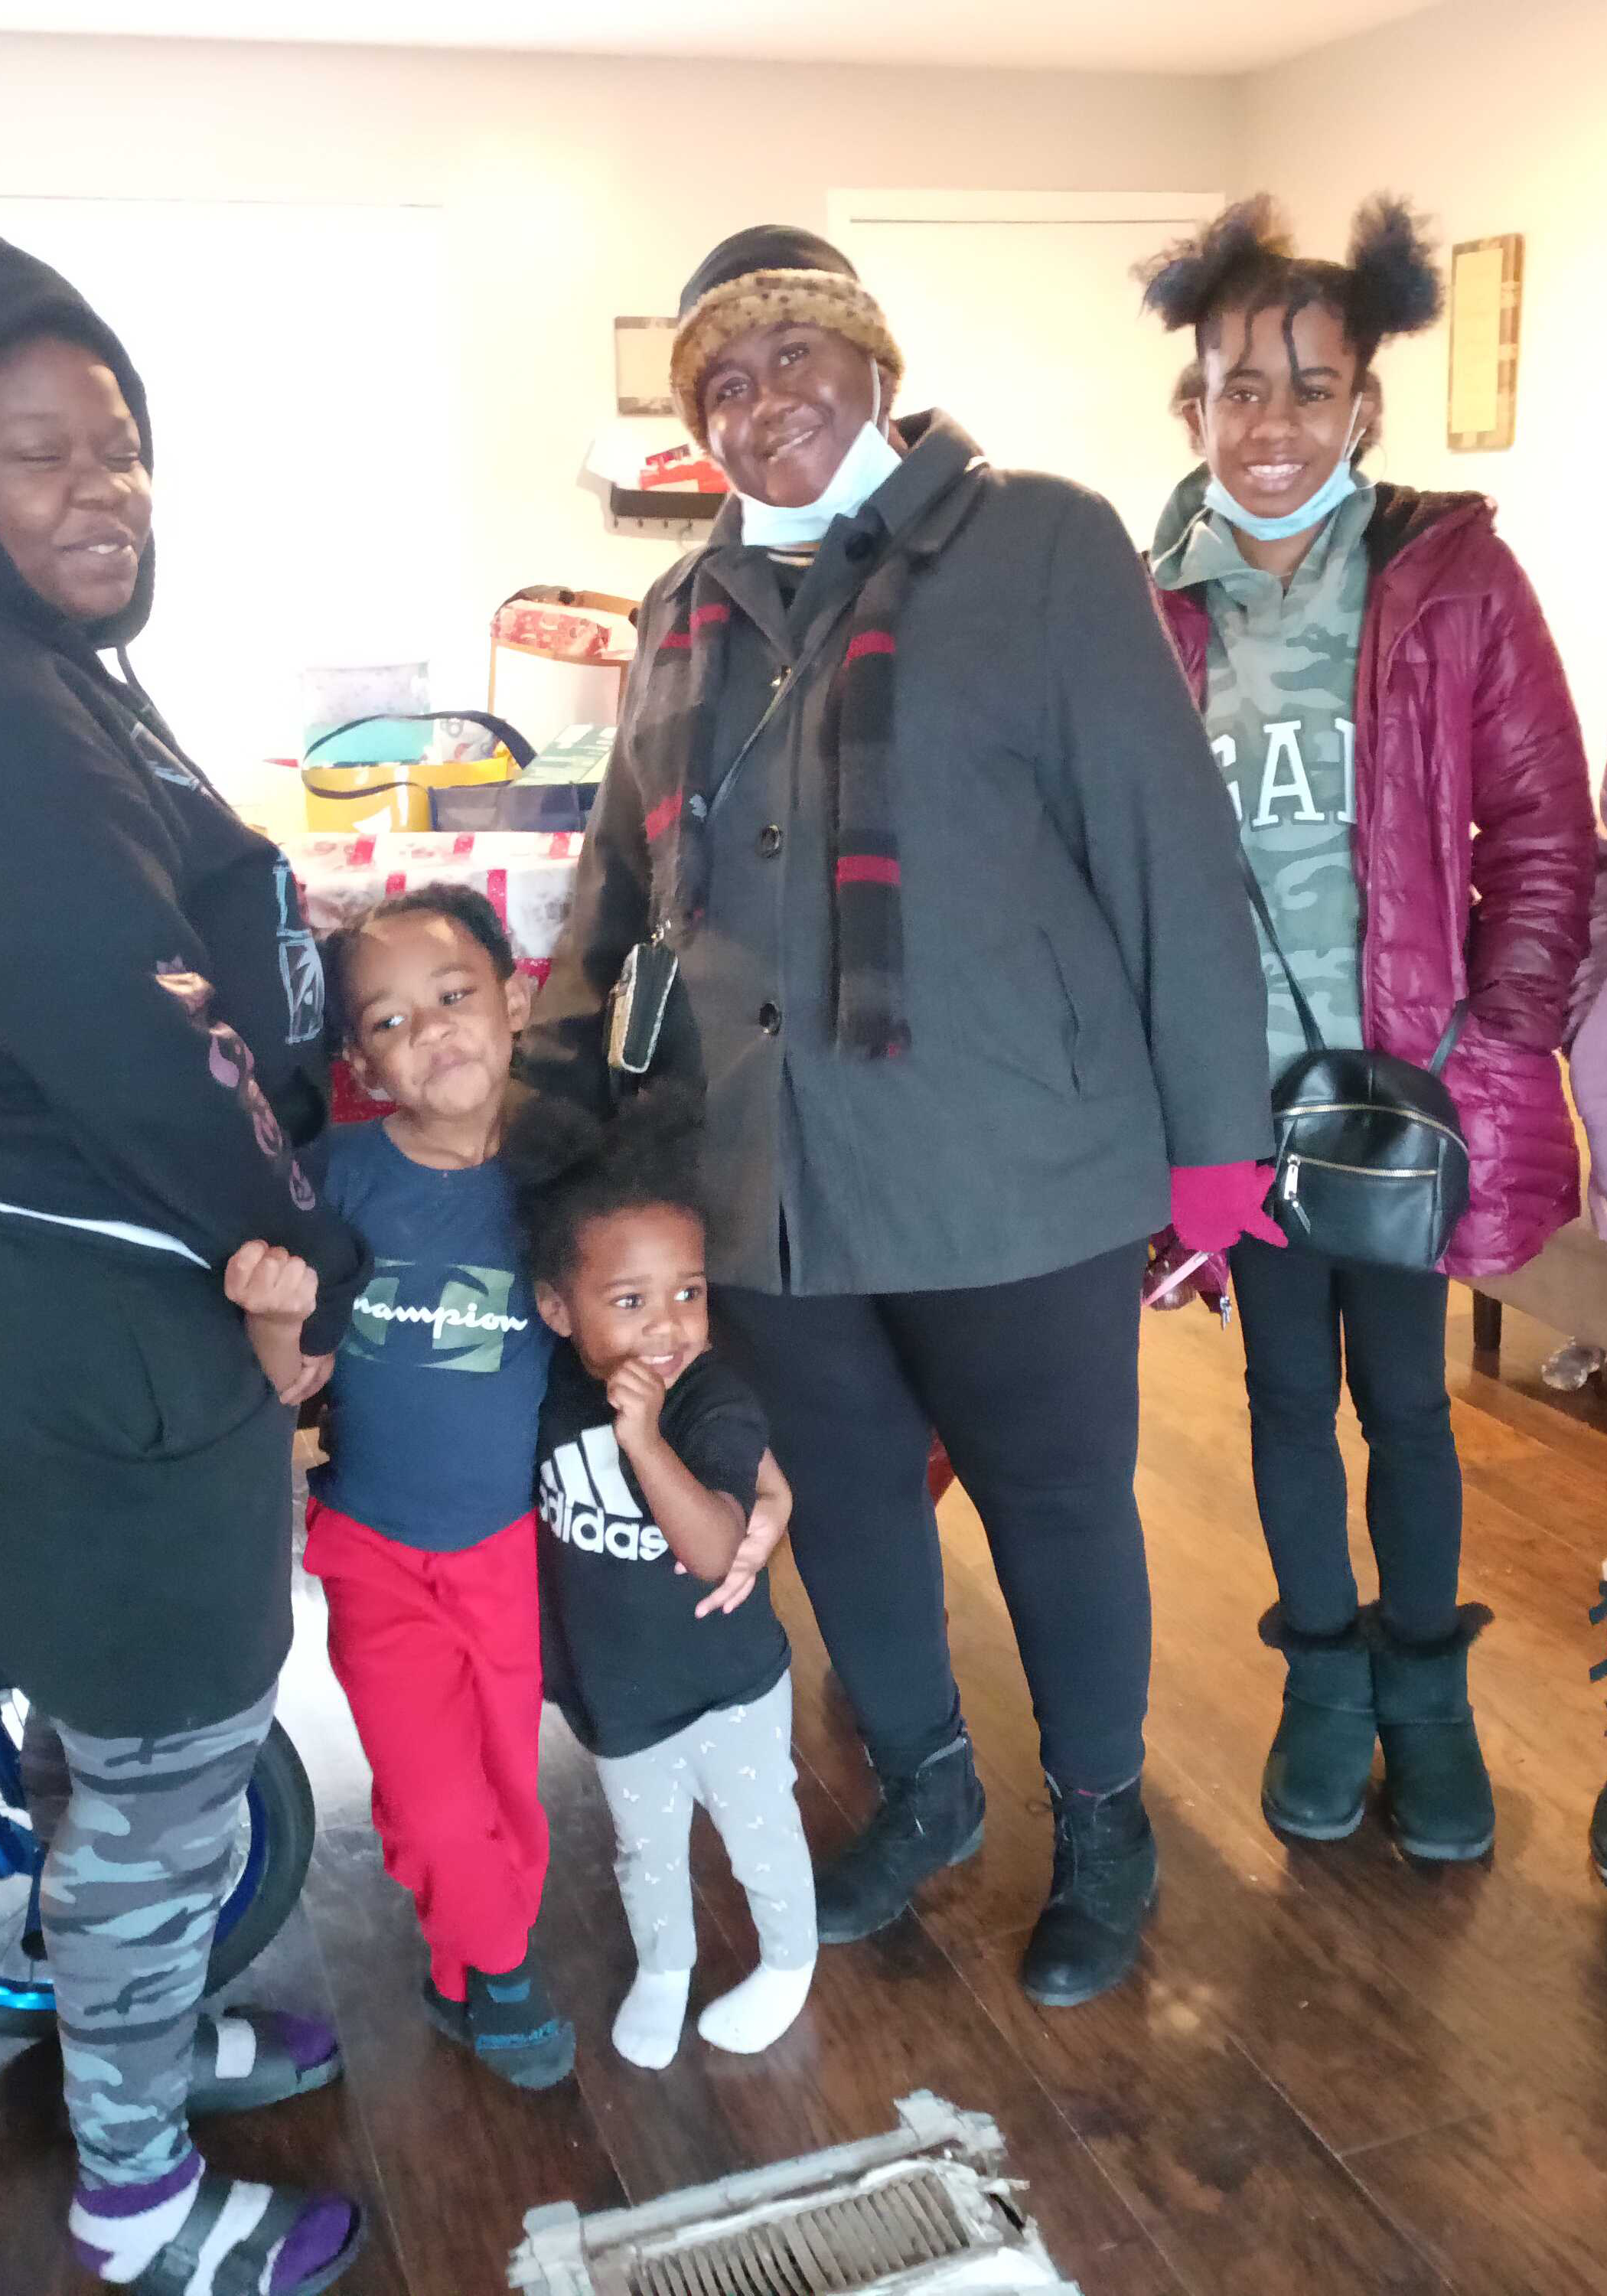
(141, 1833)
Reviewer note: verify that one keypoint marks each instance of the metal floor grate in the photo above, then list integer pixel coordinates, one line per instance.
(829, 2249)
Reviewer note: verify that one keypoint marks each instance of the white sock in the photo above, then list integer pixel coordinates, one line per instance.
(116, 2238)
(758, 2010)
(647, 2030)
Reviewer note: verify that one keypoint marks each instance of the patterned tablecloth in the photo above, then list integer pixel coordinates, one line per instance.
(527, 878)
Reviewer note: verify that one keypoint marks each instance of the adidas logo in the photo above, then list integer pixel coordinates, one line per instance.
(584, 1500)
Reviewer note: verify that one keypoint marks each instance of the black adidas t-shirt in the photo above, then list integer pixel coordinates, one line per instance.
(623, 1654)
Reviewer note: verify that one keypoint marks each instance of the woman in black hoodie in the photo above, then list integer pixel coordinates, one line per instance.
(160, 1020)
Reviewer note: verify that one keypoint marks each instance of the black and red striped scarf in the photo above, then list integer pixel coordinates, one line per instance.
(870, 1016)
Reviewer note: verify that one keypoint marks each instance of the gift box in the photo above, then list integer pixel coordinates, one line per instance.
(555, 791)
(554, 631)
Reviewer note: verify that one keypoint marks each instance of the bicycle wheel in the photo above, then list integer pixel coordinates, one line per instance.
(268, 1868)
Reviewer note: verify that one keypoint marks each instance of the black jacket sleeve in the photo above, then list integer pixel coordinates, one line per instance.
(106, 1007)
(1144, 807)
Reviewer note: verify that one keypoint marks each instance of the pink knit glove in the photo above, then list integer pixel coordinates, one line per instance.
(1213, 1205)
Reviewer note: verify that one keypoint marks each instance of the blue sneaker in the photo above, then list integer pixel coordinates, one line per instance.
(510, 2024)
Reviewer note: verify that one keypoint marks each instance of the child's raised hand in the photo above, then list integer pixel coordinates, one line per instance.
(767, 1528)
(265, 1280)
(636, 1397)
(276, 1292)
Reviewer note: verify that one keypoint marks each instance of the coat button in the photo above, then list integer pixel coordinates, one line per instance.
(769, 1019)
(769, 842)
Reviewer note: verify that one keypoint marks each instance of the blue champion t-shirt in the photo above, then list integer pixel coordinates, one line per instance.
(437, 1390)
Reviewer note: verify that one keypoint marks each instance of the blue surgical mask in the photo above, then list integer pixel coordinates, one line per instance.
(1338, 486)
(868, 463)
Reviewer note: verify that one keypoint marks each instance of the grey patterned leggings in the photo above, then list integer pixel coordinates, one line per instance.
(141, 1833)
(737, 1761)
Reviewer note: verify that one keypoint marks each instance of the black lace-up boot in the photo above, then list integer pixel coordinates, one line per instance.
(1103, 1892)
(929, 1819)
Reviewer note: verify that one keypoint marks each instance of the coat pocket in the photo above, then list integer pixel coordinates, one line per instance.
(200, 1373)
(77, 1378)
(1070, 1023)
(1008, 1009)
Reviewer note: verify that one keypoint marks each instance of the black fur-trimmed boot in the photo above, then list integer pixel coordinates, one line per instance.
(1315, 1783)
(1103, 1891)
(929, 1819)
(1435, 1786)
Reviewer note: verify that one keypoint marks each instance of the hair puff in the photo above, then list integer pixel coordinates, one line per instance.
(569, 1170)
(1390, 284)
(1397, 289)
(1191, 278)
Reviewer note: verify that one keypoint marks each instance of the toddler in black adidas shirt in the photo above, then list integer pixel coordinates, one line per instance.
(648, 1451)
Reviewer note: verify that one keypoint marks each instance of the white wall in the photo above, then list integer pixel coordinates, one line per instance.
(1495, 119)
(573, 189)
(285, 540)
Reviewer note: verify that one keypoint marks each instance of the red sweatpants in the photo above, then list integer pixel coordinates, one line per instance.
(440, 1656)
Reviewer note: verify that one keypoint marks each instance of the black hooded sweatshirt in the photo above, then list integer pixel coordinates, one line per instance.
(162, 1002)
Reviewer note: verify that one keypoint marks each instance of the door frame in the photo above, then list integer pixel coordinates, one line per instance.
(845, 209)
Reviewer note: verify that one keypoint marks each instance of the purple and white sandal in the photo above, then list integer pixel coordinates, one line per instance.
(237, 2240)
(248, 2057)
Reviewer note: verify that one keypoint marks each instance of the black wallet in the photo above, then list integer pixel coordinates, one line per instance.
(636, 1007)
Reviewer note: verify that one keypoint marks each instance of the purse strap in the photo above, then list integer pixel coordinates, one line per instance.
(510, 738)
(1447, 1042)
(1303, 1012)
(1257, 902)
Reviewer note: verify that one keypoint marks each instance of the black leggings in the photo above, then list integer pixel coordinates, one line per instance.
(1295, 1308)
(1034, 1389)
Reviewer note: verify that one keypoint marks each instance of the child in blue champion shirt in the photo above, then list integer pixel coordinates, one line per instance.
(421, 1525)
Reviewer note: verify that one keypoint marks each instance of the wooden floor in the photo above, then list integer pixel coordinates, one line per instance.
(1332, 2074)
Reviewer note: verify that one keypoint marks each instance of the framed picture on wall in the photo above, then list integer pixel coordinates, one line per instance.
(642, 349)
(1486, 302)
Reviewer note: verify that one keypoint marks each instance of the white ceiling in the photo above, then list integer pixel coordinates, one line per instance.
(1182, 36)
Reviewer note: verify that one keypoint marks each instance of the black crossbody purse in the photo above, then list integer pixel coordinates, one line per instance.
(1371, 1162)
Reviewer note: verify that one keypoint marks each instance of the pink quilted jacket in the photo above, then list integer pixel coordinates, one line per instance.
(1475, 849)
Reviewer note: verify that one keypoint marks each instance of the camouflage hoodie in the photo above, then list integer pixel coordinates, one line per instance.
(1280, 711)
